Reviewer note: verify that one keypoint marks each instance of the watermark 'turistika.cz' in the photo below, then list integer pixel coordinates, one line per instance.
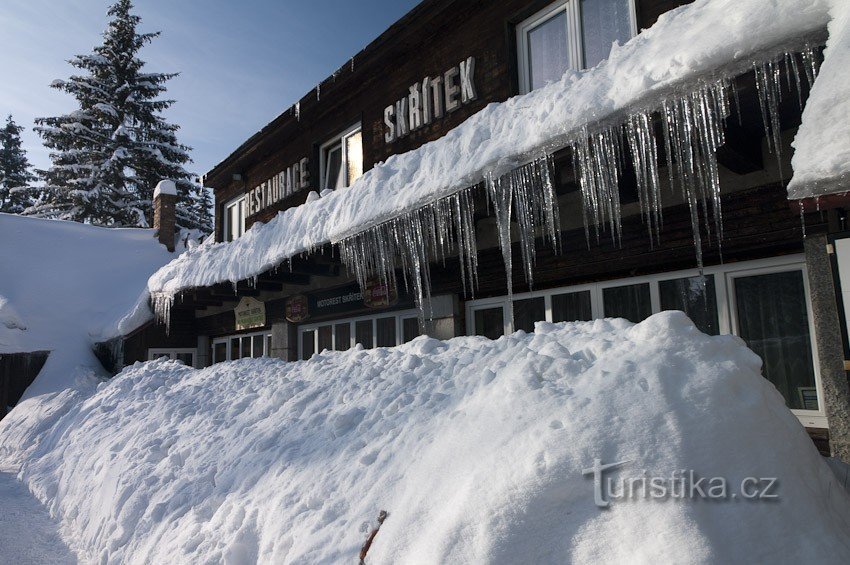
(681, 484)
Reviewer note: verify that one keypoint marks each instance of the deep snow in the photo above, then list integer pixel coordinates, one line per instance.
(65, 286)
(686, 47)
(474, 447)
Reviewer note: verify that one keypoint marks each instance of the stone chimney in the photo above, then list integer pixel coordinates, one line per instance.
(164, 201)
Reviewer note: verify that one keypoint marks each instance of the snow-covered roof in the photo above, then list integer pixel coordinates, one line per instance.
(65, 286)
(475, 448)
(687, 47)
(821, 160)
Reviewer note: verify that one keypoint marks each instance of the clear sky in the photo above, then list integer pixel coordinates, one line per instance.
(242, 62)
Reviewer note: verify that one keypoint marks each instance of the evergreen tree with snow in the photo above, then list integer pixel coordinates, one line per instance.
(109, 154)
(15, 175)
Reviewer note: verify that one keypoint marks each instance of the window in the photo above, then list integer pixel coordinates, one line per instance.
(632, 302)
(234, 218)
(184, 355)
(570, 34)
(341, 159)
(232, 347)
(386, 330)
(772, 317)
(765, 302)
(696, 297)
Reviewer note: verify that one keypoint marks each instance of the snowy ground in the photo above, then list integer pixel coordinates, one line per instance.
(28, 536)
(476, 448)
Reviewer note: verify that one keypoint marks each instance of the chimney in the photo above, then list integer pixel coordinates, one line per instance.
(164, 201)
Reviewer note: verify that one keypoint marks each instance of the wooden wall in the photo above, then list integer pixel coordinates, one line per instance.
(17, 372)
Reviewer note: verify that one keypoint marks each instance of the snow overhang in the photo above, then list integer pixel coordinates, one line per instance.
(687, 48)
(821, 160)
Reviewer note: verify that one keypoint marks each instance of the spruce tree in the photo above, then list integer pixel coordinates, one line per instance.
(15, 175)
(108, 155)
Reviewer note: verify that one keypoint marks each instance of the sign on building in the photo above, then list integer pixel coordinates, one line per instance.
(250, 313)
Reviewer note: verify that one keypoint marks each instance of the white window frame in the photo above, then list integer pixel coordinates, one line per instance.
(226, 217)
(344, 150)
(226, 340)
(171, 352)
(724, 276)
(574, 36)
(400, 317)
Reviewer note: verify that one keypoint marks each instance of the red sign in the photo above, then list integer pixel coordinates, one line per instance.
(297, 308)
(377, 294)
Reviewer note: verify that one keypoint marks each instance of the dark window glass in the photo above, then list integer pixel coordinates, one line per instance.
(343, 336)
(235, 349)
(548, 51)
(220, 352)
(246, 347)
(185, 358)
(268, 346)
(333, 167)
(773, 320)
(258, 346)
(410, 328)
(326, 338)
(490, 322)
(363, 333)
(571, 307)
(386, 332)
(695, 296)
(308, 344)
(631, 302)
(528, 311)
(602, 23)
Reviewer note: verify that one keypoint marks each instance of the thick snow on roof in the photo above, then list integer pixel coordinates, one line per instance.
(65, 286)
(475, 448)
(695, 42)
(821, 159)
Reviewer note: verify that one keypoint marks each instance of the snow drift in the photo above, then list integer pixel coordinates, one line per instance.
(474, 447)
(65, 286)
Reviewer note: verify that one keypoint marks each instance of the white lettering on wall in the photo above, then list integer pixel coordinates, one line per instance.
(430, 100)
(292, 179)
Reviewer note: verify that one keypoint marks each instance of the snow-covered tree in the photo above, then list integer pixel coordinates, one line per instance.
(15, 175)
(108, 155)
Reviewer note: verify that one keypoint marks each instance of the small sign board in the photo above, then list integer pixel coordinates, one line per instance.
(297, 308)
(250, 313)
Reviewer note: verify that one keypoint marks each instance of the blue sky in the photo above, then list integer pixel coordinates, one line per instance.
(242, 62)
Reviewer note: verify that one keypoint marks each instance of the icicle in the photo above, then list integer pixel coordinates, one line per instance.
(436, 231)
(298, 111)
(596, 162)
(318, 92)
(352, 64)
(802, 219)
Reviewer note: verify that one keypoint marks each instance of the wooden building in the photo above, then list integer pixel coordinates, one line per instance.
(448, 59)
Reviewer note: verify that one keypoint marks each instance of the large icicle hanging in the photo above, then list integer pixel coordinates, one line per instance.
(447, 227)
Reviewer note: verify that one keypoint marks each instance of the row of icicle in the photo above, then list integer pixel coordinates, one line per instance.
(692, 129)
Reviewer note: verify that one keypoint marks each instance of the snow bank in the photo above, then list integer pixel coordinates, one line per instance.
(821, 160)
(65, 286)
(689, 44)
(474, 447)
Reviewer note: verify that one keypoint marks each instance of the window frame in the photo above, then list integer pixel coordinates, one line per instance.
(241, 199)
(337, 139)
(172, 352)
(228, 351)
(724, 289)
(575, 46)
(399, 315)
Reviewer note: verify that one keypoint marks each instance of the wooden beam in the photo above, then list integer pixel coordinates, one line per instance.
(741, 153)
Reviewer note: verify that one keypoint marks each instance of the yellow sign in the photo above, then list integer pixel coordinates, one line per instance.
(250, 313)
